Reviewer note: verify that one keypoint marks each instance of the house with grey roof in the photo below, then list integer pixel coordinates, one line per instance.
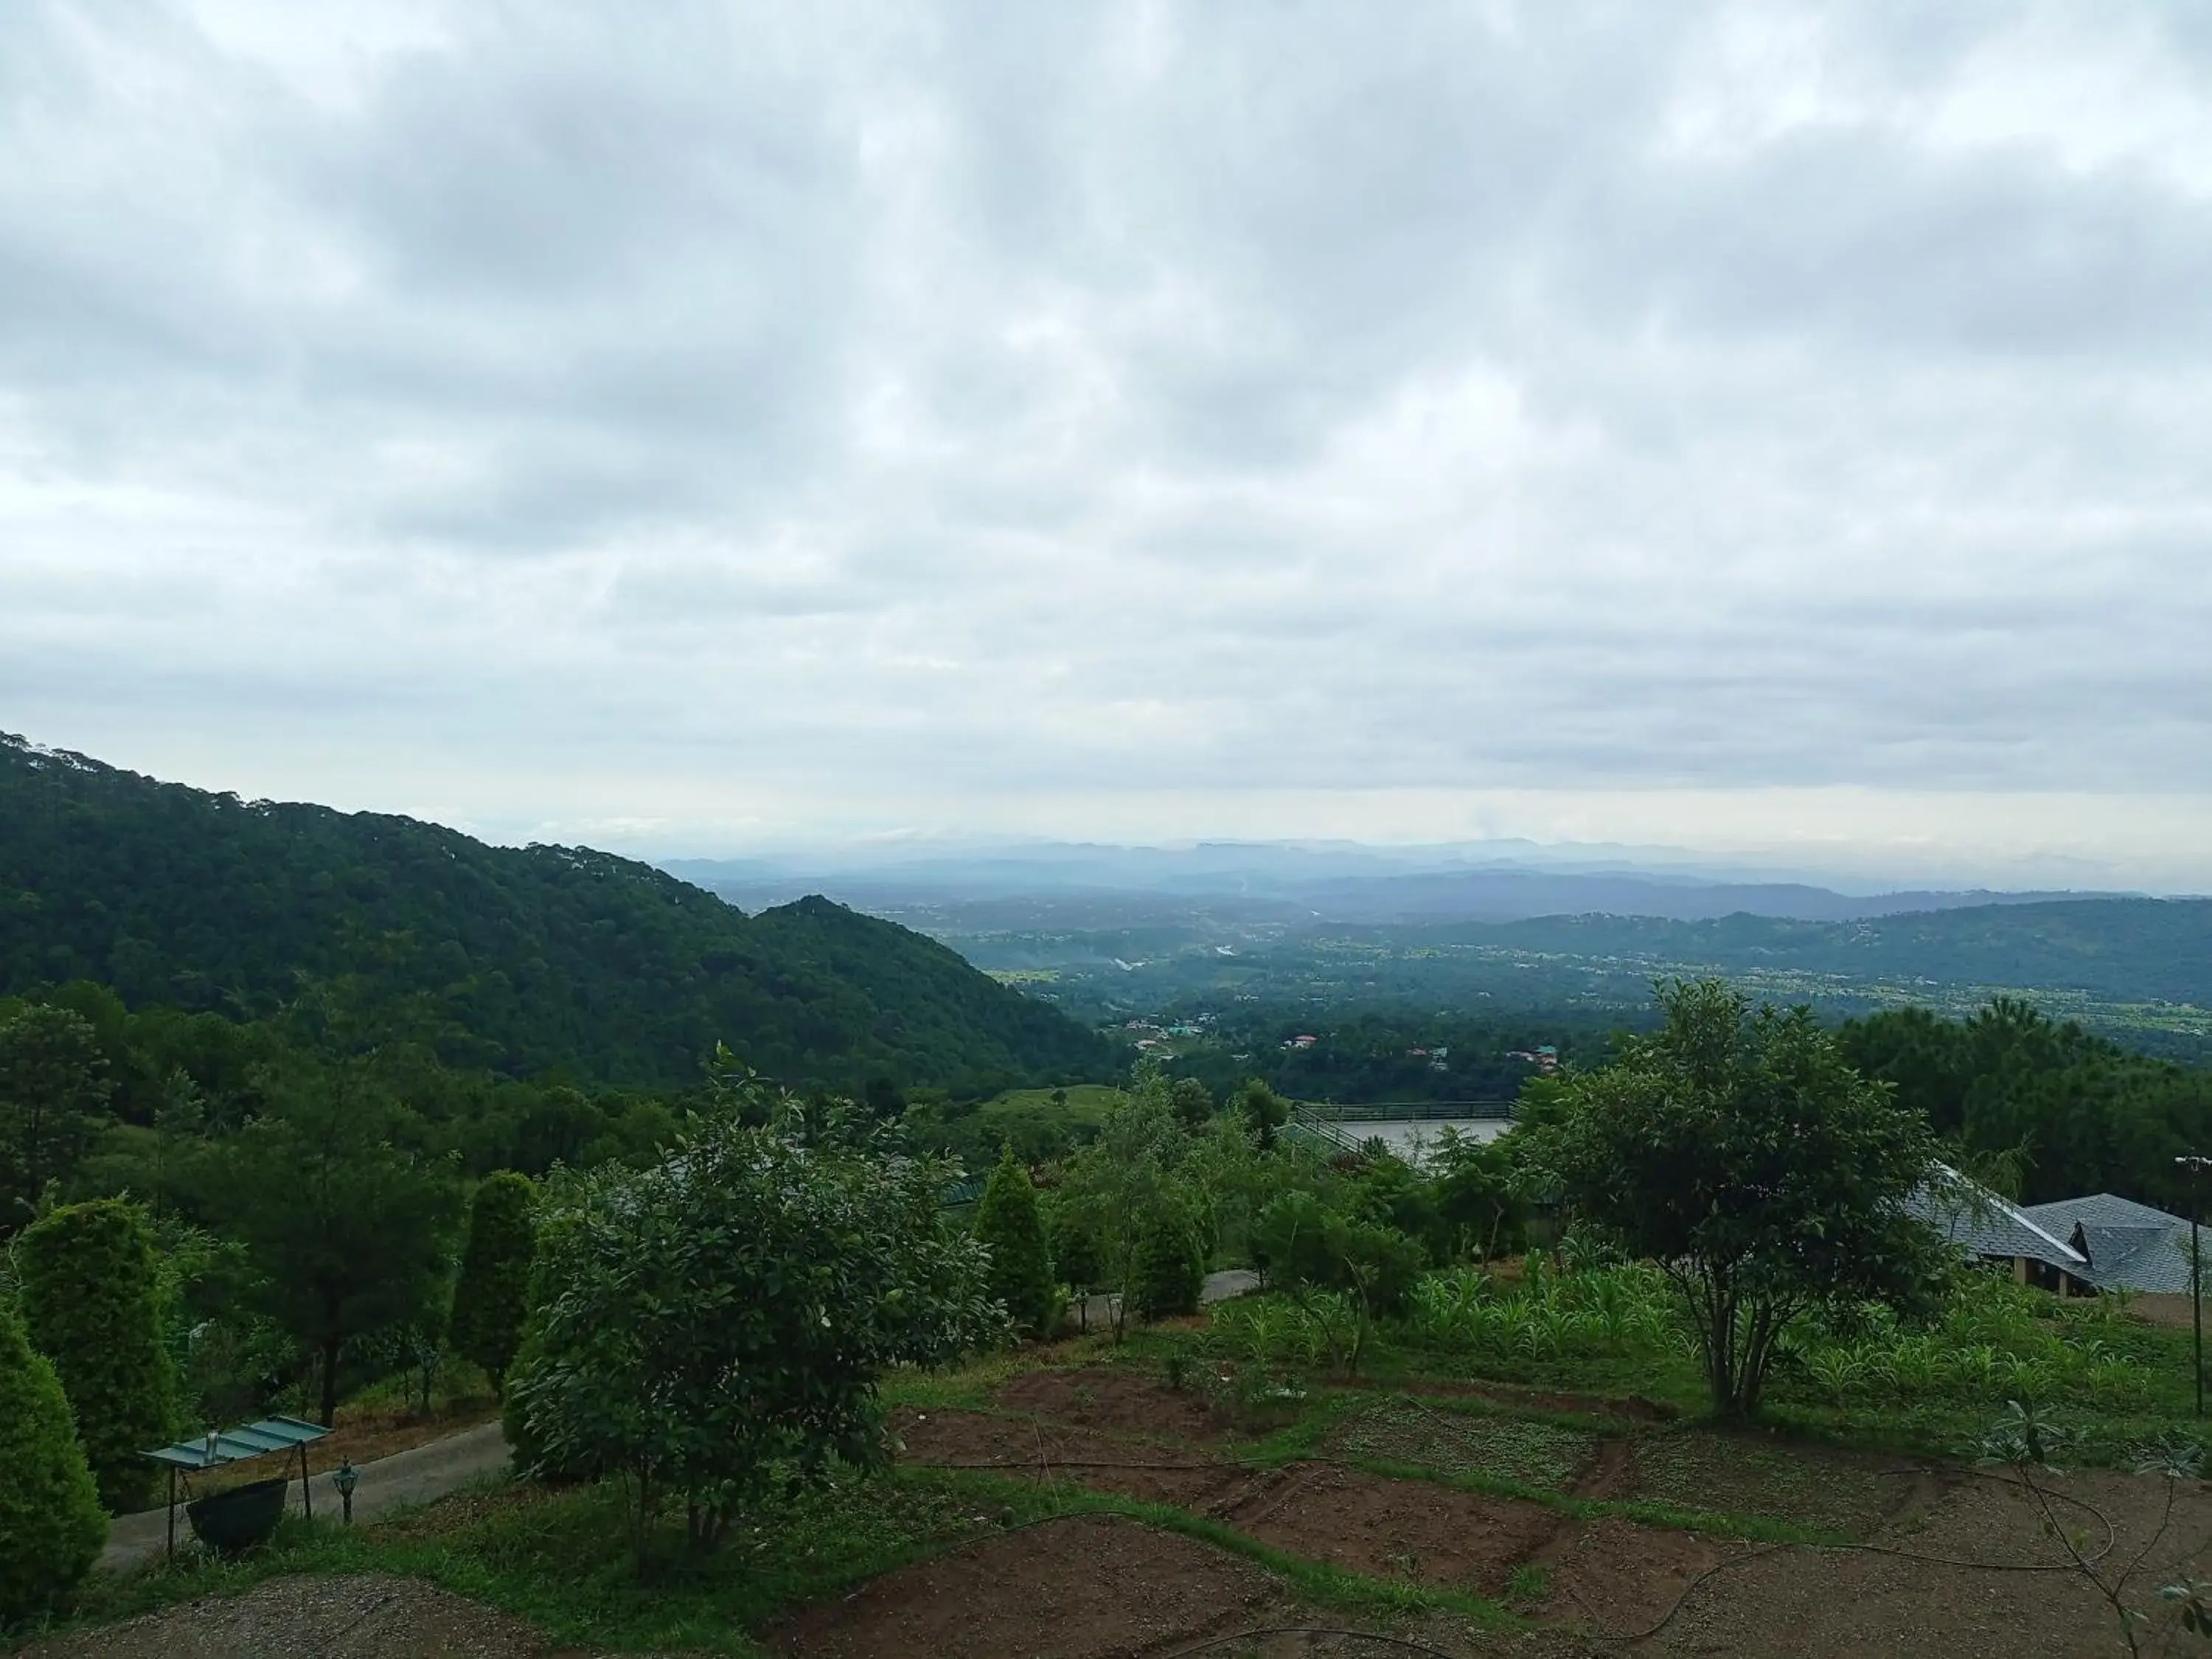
(2127, 1245)
(1994, 1229)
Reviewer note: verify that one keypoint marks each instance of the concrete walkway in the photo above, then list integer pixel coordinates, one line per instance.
(386, 1484)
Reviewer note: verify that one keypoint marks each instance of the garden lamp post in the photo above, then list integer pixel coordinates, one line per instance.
(345, 1478)
(2195, 1166)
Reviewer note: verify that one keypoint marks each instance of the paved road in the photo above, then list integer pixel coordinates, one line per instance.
(386, 1484)
(1097, 1312)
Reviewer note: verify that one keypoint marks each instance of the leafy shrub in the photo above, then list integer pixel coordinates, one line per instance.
(492, 1298)
(1009, 1226)
(717, 1325)
(50, 1526)
(92, 1305)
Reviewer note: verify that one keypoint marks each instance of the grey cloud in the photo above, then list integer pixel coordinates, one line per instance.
(1150, 400)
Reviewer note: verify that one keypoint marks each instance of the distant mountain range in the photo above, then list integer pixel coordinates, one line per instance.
(1085, 885)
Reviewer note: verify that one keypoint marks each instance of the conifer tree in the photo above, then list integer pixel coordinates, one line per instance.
(92, 1305)
(50, 1527)
(492, 1298)
(1006, 1220)
(1169, 1270)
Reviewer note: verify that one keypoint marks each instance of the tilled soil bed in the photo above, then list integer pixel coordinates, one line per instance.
(1409, 1529)
(1125, 1465)
(2026, 1601)
(1111, 1398)
(1084, 1587)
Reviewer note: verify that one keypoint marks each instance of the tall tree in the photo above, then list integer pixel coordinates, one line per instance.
(1118, 1188)
(50, 1527)
(92, 1301)
(53, 1086)
(492, 1298)
(1764, 1176)
(1263, 1111)
(1169, 1270)
(347, 1231)
(1008, 1225)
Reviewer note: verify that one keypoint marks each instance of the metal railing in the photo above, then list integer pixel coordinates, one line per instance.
(1417, 1111)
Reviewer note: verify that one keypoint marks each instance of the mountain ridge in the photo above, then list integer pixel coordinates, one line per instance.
(531, 959)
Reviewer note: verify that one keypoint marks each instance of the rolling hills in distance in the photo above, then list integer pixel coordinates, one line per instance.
(1113, 931)
(550, 959)
(528, 960)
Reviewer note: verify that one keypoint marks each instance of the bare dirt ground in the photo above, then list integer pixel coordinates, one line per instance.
(1082, 1588)
(1408, 1529)
(1951, 1564)
(1414, 1530)
(1113, 1398)
(1611, 1579)
(1828, 1602)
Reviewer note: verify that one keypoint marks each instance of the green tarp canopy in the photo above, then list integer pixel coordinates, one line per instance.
(229, 1445)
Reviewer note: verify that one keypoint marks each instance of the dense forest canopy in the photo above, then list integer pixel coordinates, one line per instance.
(520, 961)
(2084, 1115)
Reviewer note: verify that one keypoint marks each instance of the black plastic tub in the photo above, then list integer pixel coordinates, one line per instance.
(233, 1521)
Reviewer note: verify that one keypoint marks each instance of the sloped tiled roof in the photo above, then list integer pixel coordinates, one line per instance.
(2098, 1210)
(1970, 1216)
(2131, 1246)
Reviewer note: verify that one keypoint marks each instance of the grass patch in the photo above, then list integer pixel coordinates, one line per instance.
(1526, 1449)
(1086, 1103)
(1528, 1586)
(1700, 1471)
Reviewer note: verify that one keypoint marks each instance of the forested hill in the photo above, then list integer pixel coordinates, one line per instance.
(525, 960)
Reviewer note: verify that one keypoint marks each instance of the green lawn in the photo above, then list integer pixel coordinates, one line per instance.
(1086, 1103)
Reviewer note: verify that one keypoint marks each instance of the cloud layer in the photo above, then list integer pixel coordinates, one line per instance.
(712, 421)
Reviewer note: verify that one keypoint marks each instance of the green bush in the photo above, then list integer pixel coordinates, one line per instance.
(493, 1296)
(716, 1329)
(50, 1527)
(92, 1305)
(1009, 1226)
(1169, 1269)
(526, 1446)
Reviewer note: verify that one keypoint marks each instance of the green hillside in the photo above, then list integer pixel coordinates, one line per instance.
(522, 959)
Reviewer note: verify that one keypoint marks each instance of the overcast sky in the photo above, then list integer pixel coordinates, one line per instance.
(685, 426)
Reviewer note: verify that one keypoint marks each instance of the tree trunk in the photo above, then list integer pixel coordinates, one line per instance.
(329, 1385)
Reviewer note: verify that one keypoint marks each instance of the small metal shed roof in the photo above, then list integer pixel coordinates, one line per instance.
(231, 1445)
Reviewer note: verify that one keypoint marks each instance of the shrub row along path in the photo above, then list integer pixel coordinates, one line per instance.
(428, 1472)
(391, 1483)
(1093, 1313)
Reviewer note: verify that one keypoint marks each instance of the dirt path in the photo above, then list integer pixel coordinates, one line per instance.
(386, 1484)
